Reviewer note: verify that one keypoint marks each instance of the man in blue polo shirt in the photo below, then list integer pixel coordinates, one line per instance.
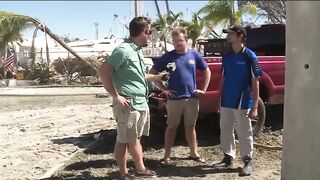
(182, 91)
(239, 99)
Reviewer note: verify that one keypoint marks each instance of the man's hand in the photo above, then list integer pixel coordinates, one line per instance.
(253, 113)
(123, 101)
(168, 92)
(164, 76)
(198, 92)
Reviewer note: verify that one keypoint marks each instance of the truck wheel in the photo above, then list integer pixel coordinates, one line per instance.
(257, 124)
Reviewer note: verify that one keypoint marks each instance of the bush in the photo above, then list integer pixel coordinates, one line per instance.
(71, 66)
(40, 71)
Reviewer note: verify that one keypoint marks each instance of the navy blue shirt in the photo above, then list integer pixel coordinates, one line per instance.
(238, 70)
(183, 71)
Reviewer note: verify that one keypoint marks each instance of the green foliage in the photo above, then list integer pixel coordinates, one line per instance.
(195, 28)
(40, 71)
(11, 25)
(166, 23)
(223, 12)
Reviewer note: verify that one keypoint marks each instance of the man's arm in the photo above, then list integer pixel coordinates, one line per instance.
(105, 73)
(201, 90)
(156, 77)
(159, 84)
(255, 93)
(207, 76)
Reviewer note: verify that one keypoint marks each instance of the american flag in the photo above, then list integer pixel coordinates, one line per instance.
(9, 61)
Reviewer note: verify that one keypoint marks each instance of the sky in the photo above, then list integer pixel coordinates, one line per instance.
(76, 19)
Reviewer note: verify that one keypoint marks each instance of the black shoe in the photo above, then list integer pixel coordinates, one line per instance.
(247, 168)
(225, 163)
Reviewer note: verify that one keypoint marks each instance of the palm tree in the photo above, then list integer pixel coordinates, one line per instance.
(274, 11)
(224, 12)
(195, 28)
(166, 23)
(33, 49)
(12, 24)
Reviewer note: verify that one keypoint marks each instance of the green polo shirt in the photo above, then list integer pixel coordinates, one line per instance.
(129, 73)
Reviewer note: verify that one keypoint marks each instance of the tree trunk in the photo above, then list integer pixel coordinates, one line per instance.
(33, 49)
(56, 38)
(47, 50)
(63, 44)
(158, 9)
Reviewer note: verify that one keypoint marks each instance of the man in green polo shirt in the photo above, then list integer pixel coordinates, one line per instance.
(124, 76)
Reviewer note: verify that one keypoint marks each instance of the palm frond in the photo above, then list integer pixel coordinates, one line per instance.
(223, 12)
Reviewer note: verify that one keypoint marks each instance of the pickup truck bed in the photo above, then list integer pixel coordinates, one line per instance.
(271, 83)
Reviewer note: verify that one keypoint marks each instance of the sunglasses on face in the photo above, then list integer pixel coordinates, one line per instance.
(149, 32)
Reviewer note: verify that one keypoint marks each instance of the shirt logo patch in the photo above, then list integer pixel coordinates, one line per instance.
(191, 61)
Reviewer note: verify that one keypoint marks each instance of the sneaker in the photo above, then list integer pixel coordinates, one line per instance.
(146, 173)
(225, 163)
(247, 168)
(126, 177)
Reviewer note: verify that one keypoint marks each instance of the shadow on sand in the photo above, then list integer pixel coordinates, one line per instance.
(208, 135)
(199, 171)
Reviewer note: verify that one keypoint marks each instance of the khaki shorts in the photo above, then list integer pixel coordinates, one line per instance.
(131, 124)
(187, 107)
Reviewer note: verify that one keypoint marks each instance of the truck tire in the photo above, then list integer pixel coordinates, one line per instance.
(257, 124)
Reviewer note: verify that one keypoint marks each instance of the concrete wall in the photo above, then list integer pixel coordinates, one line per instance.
(301, 140)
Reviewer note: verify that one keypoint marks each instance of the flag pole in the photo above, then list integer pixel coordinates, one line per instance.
(15, 58)
(4, 62)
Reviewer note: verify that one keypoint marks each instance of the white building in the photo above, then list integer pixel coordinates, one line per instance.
(85, 48)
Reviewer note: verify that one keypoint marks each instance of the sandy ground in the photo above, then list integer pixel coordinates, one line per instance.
(38, 133)
(72, 137)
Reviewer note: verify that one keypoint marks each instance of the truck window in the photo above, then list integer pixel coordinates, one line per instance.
(268, 40)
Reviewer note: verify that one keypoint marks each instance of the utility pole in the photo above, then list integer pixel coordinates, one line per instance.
(136, 8)
(167, 6)
(97, 32)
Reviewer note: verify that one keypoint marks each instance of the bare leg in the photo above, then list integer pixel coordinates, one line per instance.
(121, 156)
(169, 138)
(135, 150)
(191, 137)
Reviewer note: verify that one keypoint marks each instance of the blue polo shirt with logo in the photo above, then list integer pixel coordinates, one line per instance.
(182, 68)
(238, 70)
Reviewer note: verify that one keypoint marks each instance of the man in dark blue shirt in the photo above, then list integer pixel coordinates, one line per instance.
(182, 91)
(239, 99)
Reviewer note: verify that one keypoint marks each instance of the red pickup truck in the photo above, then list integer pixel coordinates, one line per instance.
(268, 42)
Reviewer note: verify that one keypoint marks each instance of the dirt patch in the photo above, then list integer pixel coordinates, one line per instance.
(39, 133)
(97, 162)
(73, 138)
